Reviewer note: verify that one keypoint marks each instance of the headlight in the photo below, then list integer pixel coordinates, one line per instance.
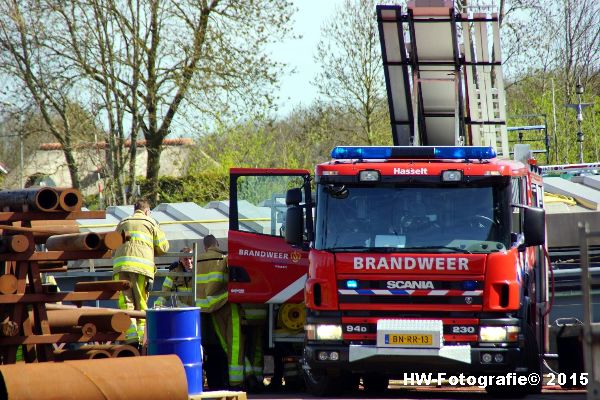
(368, 176)
(498, 333)
(452, 175)
(323, 332)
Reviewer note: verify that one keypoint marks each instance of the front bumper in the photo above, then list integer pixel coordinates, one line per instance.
(396, 361)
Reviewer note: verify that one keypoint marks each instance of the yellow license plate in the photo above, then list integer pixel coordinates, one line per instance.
(408, 339)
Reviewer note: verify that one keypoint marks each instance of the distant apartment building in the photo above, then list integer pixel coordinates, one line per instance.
(47, 165)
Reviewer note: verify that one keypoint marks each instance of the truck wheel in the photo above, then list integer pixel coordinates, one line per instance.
(533, 362)
(375, 383)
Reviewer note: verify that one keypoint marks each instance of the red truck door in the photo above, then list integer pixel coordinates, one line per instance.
(263, 267)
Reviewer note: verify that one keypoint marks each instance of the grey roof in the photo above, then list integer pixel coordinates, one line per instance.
(185, 223)
(562, 218)
(578, 189)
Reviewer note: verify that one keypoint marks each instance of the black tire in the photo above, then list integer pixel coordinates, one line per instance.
(531, 358)
(374, 383)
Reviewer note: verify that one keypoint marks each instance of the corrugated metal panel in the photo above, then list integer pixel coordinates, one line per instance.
(587, 196)
(183, 223)
(563, 219)
(592, 181)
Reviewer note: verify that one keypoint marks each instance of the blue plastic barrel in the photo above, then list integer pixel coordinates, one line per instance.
(177, 331)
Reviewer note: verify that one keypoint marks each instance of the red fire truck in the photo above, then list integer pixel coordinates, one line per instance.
(423, 257)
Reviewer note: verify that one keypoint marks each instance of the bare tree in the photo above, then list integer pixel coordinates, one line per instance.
(351, 75)
(154, 61)
(40, 78)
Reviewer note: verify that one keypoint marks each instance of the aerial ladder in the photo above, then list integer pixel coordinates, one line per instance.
(443, 75)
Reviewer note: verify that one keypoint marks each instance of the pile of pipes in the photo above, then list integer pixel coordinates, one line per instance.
(61, 234)
(46, 216)
(44, 199)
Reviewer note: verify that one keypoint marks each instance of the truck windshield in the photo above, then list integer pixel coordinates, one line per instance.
(393, 218)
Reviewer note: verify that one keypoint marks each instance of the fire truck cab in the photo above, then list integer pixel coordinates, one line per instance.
(422, 259)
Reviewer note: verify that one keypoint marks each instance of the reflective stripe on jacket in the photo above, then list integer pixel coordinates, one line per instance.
(211, 280)
(144, 240)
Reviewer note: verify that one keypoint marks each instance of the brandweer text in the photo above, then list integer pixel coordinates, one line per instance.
(263, 254)
(411, 263)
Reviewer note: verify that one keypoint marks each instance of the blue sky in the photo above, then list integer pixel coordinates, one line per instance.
(296, 88)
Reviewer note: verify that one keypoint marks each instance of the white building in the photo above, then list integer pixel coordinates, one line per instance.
(47, 165)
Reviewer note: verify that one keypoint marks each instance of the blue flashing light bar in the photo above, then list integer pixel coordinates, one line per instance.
(370, 152)
(413, 152)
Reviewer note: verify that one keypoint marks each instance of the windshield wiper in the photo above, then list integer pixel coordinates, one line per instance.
(356, 249)
(363, 249)
(456, 249)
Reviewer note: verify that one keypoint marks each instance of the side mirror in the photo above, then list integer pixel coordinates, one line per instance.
(294, 225)
(534, 226)
(294, 217)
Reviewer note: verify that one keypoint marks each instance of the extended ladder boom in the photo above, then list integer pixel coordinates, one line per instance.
(443, 75)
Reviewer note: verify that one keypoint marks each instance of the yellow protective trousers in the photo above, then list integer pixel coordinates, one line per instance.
(134, 298)
(226, 322)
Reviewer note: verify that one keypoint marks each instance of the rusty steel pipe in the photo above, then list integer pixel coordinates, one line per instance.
(149, 378)
(68, 322)
(74, 242)
(9, 328)
(14, 244)
(125, 350)
(43, 229)
(40, 235)
(116, 350)
(130, 313)
(69, 199)
(111, 240)
(80, 354)
(8, 284)
(101, 286)
(118, 322)
(102, 321)
(88, 329)
(31, 199)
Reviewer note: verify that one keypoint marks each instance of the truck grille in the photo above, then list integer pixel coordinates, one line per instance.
(363, 302)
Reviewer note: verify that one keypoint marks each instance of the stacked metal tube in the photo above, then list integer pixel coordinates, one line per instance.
(149, 378)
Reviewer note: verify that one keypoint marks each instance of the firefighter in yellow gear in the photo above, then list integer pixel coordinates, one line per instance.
(134, 261)
(225, 317)
(255, 320)
(178, 284)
